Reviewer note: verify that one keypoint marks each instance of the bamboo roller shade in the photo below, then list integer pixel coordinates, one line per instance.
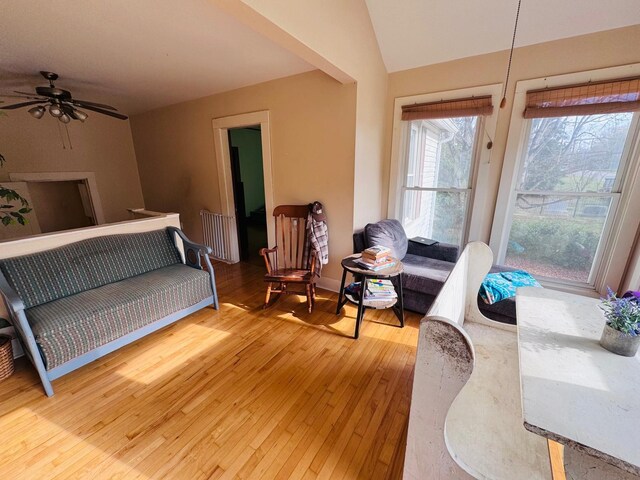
(462, 107)
(594, 98)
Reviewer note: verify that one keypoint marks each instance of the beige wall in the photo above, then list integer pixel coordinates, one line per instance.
(58, 206)
(312, 143)
(102, 145)
(587, 52)
(370, 187)
(341, 34)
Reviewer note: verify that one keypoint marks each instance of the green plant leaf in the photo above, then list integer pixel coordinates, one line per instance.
(22, 220)
(7, 220)
(24, 210)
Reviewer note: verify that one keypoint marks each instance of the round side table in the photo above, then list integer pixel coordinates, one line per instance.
(391, 273)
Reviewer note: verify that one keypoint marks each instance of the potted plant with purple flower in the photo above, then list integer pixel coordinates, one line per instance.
(621, 334)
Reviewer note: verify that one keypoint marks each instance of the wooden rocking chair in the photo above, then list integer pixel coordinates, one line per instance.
(285, 262)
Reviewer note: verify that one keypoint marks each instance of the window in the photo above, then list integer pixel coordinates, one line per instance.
(437, 189)
(569, 178)
(440, 157)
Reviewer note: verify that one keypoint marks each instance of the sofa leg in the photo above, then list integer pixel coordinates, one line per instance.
(31, 348)
(48, 389)
(212, 279)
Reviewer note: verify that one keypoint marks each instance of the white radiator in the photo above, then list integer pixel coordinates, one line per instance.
(219, 233)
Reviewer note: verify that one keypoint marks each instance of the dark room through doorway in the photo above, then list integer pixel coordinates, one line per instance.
(245, 146)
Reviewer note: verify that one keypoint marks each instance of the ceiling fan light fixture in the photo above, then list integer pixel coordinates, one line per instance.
(80, 115)
(55, 111)
(37, 112)
(59, 102)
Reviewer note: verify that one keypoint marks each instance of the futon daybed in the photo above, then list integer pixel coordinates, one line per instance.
(426, 267)
(76, 303)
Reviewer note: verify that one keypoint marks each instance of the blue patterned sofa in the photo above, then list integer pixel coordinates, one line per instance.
(76, 303)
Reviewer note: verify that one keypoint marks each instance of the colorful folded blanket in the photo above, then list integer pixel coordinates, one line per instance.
(498, 286)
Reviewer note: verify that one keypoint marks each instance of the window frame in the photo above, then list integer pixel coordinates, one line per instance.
(615, 244)
(478, 187)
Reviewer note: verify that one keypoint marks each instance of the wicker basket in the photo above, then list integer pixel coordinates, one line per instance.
(6, 357)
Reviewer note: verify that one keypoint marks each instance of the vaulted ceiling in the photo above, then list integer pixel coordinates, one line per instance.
(144, 54)
(413, 33)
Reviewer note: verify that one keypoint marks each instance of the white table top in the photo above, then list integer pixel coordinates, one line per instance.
(573, 390)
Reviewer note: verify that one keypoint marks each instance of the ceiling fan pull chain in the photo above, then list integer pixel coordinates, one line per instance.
(66, 127)
(64, 147)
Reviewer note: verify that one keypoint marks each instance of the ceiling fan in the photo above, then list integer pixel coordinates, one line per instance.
(59, 102)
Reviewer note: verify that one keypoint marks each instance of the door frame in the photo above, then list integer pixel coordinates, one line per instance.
(89, 179)
(221, 127)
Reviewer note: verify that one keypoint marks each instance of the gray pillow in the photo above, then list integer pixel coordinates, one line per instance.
(388, 233)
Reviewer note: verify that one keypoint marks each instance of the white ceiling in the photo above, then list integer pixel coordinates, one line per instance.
(413, 33)
(136, 54)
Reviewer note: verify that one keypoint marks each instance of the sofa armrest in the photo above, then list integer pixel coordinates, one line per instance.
(439, 251)
(202, 249)
(194, 253)
(359, 241)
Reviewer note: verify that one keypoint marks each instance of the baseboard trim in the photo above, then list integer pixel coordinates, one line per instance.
(330, 284)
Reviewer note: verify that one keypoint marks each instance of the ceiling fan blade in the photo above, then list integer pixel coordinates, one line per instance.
(28, 97)
(24, 104)
(30, 94)
(84, 103)
(105, 112)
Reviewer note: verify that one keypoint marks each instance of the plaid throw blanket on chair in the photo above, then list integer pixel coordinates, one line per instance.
(317, 237)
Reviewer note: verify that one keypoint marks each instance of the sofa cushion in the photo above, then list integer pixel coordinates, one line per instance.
(502, 311)
(76, 324)
(424, 274)
(388, 233)
(60, 272)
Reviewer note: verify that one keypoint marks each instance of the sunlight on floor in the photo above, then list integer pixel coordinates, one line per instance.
(231, 306)
(163, 361)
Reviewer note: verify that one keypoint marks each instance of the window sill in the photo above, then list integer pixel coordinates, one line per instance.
(584, 290)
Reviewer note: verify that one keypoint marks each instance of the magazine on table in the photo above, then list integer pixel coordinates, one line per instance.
(380, 289)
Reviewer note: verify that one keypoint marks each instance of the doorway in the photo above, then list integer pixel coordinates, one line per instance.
(245, 150)
(223, 152)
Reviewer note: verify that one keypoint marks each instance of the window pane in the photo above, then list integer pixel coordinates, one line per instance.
(441, 153)
(556, 236)
(436, 215)
(574, 154)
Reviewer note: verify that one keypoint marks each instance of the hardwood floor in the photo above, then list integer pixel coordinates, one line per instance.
(236, 393)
